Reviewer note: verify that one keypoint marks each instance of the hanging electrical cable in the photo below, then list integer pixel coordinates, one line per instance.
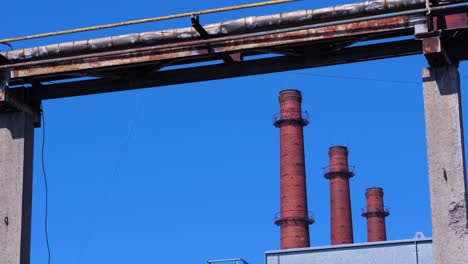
(355, 78)
(46, 187)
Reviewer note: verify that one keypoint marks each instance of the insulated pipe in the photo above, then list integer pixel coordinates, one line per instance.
(145, 20)
(232, 27)
(341, 223)
(375, 214)
(294, 219)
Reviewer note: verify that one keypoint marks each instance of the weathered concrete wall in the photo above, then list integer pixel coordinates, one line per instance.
(16, 152)
(445, 151)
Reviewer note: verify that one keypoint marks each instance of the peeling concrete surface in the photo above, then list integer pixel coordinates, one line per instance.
(447, 173)
(16, 151)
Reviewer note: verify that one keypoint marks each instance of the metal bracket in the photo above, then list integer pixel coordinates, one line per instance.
(227, 58)
(436, 32)
(195, 20)
(435, 52)
(232, 58)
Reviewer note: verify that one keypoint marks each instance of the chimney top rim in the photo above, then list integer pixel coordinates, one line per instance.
(370, 189)
(338, 147)
(290, 90)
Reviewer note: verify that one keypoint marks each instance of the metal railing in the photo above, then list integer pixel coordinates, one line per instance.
(350, 168)
(291, 115)
(310, 218)
(384, 212)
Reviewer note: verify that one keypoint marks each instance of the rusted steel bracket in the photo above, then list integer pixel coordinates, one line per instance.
(435, 53)
(440, 26)
(452, 19)
(446, 20)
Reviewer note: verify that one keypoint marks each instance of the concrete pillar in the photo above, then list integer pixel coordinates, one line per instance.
(16, 153)
(445, 151)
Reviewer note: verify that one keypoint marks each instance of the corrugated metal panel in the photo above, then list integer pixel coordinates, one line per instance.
(415, 251)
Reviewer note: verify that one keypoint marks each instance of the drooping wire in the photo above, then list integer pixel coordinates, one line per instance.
(46, 187)
(355, 78)
(116, 175)
(7, 44)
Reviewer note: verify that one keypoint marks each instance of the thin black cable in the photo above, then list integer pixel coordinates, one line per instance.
(46, 187)
(116, 175)
(354, 78)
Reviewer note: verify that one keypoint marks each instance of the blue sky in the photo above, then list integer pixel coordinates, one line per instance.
(188, 173)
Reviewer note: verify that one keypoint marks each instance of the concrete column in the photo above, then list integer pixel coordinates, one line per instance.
(16, 152)
(445, 151)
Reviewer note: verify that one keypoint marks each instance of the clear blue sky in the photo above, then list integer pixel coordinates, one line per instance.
(188, 173)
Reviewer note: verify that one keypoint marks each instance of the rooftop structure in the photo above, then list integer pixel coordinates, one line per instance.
(411, 251)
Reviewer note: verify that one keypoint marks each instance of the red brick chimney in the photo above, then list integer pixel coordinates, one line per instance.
(375, 214)
(294, 218)
(340, 202)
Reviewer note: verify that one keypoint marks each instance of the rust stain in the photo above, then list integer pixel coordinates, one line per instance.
(451, 21)
(431, 45)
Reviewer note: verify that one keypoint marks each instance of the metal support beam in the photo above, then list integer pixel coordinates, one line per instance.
(16, 159)
(446, 160)
(314, 40)
(222, 71)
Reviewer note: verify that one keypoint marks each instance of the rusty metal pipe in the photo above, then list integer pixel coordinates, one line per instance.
(233, 27)
(145, 20)
(16, 57)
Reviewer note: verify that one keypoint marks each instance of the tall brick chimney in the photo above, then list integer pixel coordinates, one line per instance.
(294, 218)
(340, 202)
(375, 214)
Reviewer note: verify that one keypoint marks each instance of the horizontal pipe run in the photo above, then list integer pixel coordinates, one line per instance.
(145, 20)
(220, 29)
(215, 40)
(195, 42)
